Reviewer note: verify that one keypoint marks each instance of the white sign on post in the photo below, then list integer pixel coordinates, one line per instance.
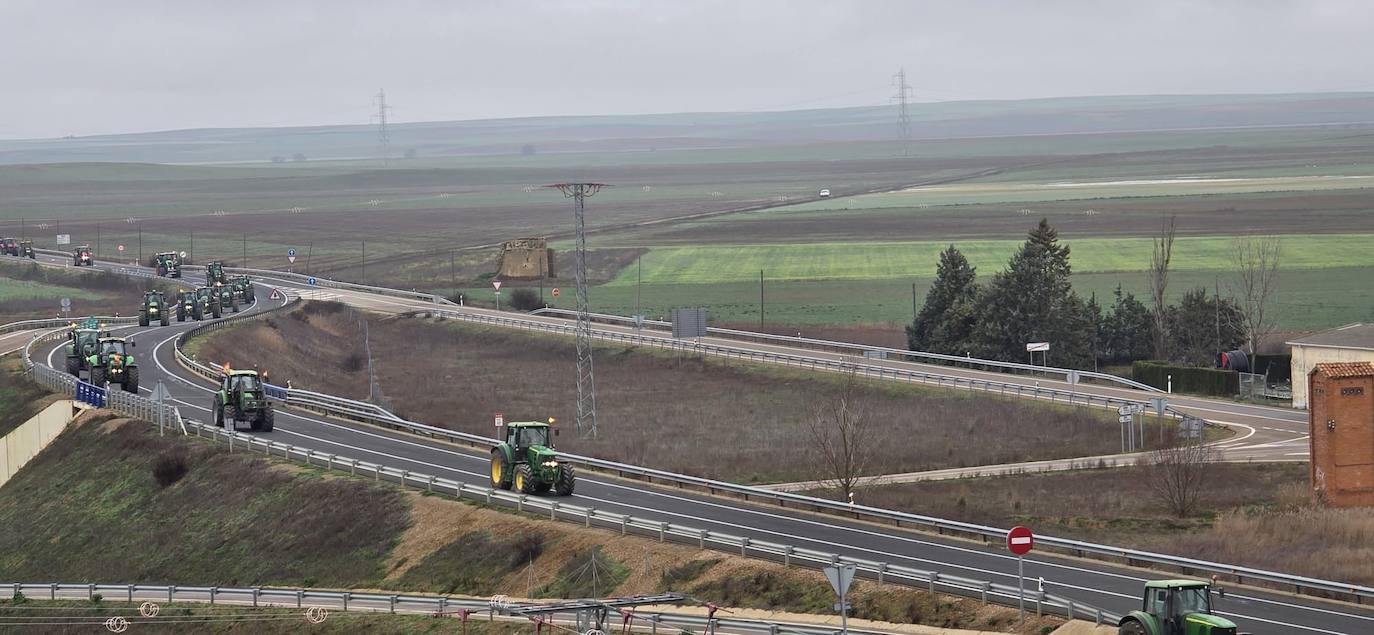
(500, 419)
(64, 239)
(1037, 347)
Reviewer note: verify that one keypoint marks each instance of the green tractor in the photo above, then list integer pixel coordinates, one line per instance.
(241, 399)
(226, 297)
(526, 461)
(208, 299)
(26, 250)
(81, 256)
(114, 363)
(83, 342)
(214, 273)
(189, 305)
(1176, 607)
(167, 264)
(243, 289)
(154, 309)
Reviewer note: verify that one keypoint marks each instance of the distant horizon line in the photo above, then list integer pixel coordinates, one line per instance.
(916, 104)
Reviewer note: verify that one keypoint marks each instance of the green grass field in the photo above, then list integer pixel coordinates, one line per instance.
(907, 260)
(27, 290)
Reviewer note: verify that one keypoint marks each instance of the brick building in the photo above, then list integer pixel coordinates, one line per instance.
(1341, 423)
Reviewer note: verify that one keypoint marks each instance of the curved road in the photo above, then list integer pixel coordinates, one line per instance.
(1111, 587)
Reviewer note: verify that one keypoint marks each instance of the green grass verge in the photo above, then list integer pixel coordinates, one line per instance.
(30, 290)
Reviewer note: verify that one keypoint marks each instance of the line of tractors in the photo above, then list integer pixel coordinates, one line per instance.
(16, 247)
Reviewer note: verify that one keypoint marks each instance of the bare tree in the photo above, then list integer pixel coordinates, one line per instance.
(1159, 283)
(1177, 475)
(841, 430)
(1257, 272)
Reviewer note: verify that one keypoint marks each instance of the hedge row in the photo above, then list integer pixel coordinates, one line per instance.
(1190, 379)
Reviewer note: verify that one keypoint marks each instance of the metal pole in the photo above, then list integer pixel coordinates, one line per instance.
(245, 250)
(364, 276)
(193, 246)
(639, 282)
(140, 242)
(760, 299)
(844, 617)
(309, 249)
(913, 304)
(97, 239)
(1021, 586)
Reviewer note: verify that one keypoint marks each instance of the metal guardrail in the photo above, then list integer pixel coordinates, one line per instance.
(438, 605)
(326, 283)
(860, 349)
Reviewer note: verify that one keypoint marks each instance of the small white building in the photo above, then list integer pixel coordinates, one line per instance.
(1349, 343)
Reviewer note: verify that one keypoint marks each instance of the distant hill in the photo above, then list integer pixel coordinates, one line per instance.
(543, 135)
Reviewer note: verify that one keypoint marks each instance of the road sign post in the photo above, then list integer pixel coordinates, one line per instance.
(500, 420)
(160, 394)
(496, 284)
(840, 578)
(1020, 541)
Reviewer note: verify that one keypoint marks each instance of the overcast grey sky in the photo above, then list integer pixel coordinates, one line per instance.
(84, 67)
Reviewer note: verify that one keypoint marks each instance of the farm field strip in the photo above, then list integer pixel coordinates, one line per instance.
(905, 260)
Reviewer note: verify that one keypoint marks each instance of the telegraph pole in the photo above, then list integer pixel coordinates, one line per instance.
(245, 251)
(586, 377)
(904, 93)
(760, 299)
(364, 276)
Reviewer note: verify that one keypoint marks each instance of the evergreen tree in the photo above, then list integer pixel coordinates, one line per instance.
(1127, 330)
(946, 319)
(1200, 326)
(1033, 301)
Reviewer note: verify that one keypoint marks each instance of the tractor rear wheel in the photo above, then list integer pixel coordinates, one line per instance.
(214, 310)
(234, 301)
(566, 481)
(131, 380)
(524, 479)
(74, 365)
(500, 470)
(219, 413)
(143, 318)
(98, 376)
(1132, 627)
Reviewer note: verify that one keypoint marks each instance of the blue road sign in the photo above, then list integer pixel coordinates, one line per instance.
(310, 280)
(290, 252)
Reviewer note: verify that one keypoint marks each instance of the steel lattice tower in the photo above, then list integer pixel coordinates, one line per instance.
(586, 376)
(904, 93)
(383, 137)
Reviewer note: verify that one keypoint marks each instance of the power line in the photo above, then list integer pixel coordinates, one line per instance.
(586, 377)
(904, 93)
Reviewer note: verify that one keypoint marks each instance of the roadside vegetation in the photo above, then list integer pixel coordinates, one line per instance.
(20, 398)
(1252, 514)
(697, 416)
(88, 507)
(29, 291)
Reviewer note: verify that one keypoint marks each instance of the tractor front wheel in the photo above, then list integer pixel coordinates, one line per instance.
(267, 421)
(567, 480)
(524, 479)
(219, 413)
(143, 318)
(500, 470)
(98, 376)
(74, 365)
(1131, 627)
(165, 320)
(131, 380)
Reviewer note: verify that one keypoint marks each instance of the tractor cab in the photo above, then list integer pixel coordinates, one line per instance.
(1176, 607)
(26, 250)
(243, 382)
(524, 436)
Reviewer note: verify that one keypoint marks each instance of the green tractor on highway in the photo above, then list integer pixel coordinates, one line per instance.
(82, 342)
(1176, 607)
(26, 250)
(167, 264)
(214, 273)
(226, 297)
(114, 363)
(208, 299)
(241, 399)
(81, 256)
(190, 306)
(243, 289)
(154, 309)
(526, 461)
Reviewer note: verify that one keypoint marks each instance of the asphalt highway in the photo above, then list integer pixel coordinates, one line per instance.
(1107, 586)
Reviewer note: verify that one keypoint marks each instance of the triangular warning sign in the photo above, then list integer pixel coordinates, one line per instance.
(274, 296)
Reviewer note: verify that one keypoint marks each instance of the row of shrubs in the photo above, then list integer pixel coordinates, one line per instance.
(1190, 379)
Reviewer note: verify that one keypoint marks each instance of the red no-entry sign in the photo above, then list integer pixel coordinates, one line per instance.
(1020, 540)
